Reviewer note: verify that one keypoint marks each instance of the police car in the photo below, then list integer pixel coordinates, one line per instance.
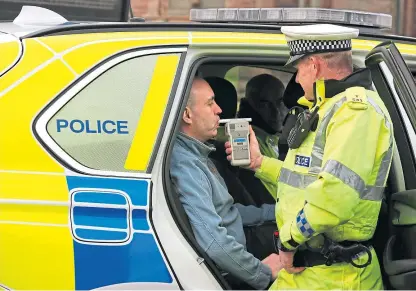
(88, 113)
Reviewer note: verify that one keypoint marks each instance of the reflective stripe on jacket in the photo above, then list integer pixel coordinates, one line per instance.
(334, 182)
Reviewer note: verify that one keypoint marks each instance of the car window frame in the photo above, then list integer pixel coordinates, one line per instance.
(47, 113)
(379, 61)
(394, 60)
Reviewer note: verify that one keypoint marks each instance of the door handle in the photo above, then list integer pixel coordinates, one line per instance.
(99, 216)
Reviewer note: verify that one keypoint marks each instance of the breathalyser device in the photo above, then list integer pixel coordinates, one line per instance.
(238, 132)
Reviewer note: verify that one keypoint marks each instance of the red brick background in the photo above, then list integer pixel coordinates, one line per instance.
(178, 10)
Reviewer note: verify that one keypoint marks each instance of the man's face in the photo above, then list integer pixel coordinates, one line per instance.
(202, 115)
(307, 75)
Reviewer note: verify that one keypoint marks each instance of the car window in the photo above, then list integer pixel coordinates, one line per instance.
(240, 75)
(97, 127)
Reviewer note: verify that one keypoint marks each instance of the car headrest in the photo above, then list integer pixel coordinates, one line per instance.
(225, 96)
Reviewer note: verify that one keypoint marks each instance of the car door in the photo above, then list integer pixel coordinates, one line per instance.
(396, 86)
(105, 130)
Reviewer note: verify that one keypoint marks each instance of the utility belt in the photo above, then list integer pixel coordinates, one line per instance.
(339, 252)
(334, 252)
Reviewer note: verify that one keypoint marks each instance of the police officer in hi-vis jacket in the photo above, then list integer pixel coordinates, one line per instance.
(330, 186)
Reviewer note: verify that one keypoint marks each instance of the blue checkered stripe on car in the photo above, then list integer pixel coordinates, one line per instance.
(303, 225)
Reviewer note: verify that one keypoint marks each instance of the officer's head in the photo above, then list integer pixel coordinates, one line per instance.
(200, 118)
(325, 66)
(320, 51)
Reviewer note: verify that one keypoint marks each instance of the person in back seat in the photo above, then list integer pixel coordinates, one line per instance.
(263, 104)
(216, 221)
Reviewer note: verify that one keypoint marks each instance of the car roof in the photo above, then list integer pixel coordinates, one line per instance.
(18, 30)
(85, 28)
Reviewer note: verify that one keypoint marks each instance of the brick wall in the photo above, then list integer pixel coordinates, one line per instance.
(178, 10)
(382, 6)
(409, 26)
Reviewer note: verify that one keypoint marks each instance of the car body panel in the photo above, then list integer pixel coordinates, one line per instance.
(36, 190)
(34, 56)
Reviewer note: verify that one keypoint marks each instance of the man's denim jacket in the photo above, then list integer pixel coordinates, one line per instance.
(216, 221)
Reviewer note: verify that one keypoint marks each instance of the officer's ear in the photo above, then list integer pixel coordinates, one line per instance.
(315, 65)
(187, 115)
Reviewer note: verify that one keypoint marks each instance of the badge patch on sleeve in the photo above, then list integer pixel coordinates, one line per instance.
(302, 161)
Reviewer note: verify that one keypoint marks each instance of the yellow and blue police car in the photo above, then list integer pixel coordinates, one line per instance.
(88, 113)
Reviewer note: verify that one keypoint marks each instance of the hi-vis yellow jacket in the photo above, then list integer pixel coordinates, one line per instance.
(334, 182)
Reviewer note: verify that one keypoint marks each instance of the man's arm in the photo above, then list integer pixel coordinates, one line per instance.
(349, 155)
(196, 196)
(253, 215)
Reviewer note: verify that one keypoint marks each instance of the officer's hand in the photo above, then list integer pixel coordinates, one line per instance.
(273, 261)
(255, 154)
(286, 260)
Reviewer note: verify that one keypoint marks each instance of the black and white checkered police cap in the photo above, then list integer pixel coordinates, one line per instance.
(317, 38)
